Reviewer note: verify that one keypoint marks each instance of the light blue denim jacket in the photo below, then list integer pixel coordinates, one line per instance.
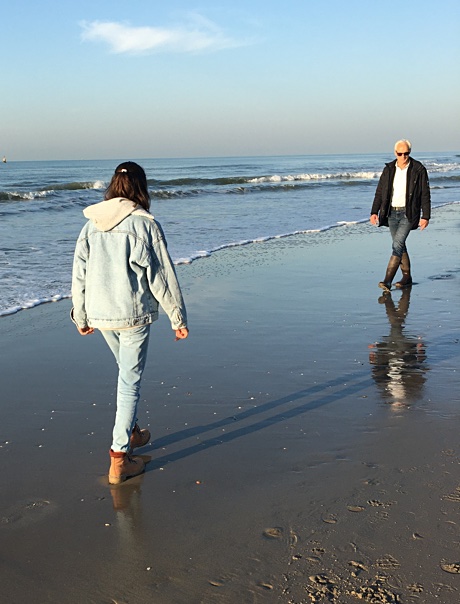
(122, 270)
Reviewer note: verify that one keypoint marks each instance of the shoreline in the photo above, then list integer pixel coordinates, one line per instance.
(200, 255)
(283, 466)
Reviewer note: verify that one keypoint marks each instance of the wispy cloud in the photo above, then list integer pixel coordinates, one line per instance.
(198, 35)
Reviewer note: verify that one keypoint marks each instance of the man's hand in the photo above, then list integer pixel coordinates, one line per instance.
(423, 223)
(374, 219)
(181, 333)
(85, 331)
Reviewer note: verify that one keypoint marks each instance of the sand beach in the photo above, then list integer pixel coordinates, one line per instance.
(305, 437)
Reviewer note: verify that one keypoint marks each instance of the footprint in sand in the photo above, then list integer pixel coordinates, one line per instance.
(25, 513)
(379, 504)
(329, 518)
(376, 592)
(358, 565)
(266, 586)
(273, 533)
(453, 568)
(441, 277)
(357, 568)
(382, 515)
(323, 587)
(371, 482)
(455, 496)
(355, 508)
(448, 452)
(319, 551)
(387, 562)
(222, 580)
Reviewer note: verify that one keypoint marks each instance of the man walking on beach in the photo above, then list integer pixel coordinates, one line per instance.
(402, 202)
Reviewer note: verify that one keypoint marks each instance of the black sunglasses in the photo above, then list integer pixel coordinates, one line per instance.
(406, 153)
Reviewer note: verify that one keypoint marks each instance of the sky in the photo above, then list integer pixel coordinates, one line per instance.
(143, 79)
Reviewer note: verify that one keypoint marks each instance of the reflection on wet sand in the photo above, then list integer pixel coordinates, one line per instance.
(128, 508)
(126, 499)
(399, 359)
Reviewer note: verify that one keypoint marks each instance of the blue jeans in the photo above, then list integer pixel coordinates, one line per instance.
(129, 347)
(400, 228)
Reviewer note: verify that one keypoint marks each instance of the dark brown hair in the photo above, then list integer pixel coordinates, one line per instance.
(129, 181)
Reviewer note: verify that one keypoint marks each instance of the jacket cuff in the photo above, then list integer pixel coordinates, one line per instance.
(72, 318)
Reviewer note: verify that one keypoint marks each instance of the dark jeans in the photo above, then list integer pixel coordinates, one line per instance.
(400, 228)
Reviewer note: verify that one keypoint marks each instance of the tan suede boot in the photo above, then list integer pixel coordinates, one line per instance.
(139, 438)
(123, 466)
(392, 267)
(406, 280)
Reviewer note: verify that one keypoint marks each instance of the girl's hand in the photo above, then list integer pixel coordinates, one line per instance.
(181, 333)
(85, 331)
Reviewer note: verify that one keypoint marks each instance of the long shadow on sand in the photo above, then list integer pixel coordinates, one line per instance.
(359, 383)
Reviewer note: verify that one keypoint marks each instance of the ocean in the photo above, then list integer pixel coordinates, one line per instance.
(203, 204)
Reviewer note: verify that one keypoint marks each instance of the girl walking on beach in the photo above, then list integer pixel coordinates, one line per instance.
(121, 273)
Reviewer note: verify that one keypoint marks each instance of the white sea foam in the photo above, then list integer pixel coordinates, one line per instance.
(200, 254)
(435, 167)
(306, 177)
(233, 244)
(37, 240)
(31, 304)
(28, 195)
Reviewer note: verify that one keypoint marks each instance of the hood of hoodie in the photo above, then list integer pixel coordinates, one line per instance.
(109, 213)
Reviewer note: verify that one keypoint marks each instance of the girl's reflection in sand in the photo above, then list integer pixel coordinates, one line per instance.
(126, 499)
(398, 360)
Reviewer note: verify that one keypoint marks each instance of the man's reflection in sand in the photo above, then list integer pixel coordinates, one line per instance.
(399, 360)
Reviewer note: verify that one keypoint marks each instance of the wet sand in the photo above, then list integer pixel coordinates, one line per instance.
(305, 437)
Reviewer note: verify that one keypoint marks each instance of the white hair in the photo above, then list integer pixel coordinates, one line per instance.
(405, 142)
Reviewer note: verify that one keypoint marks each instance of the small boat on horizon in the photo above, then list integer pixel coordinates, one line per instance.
(4, 159)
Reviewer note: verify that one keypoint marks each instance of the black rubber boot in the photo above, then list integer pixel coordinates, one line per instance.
(392, 267)
(406, 280)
